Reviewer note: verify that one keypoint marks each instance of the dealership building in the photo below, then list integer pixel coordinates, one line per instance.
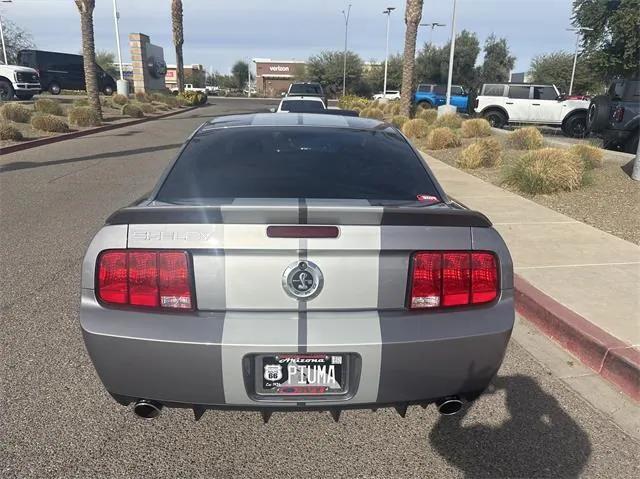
(273, 77)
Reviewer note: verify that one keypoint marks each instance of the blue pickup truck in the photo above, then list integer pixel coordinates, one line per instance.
(432, 96)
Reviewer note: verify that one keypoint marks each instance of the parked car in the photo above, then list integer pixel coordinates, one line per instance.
(615, 116)
(307, 89)
(18, 81)
(189, 87)
(391, 95)
(63, 71)
(295, 262)
(432, 96)
(502, 103)
(300, 104)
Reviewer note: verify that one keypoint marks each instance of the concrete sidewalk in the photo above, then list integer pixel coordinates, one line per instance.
(595, 276)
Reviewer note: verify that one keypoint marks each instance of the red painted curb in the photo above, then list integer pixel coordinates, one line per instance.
(607, 355)
(76, 134)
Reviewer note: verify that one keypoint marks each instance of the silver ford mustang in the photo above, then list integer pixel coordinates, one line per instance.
(291, 262)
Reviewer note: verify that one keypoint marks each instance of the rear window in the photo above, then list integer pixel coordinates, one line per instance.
(301, 105)
(296, 162)
(493, 90)
(631, 90)
(310, 89)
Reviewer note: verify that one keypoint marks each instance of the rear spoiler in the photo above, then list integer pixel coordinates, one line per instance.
(303, 214)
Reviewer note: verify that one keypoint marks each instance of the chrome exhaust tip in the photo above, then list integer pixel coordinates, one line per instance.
(147, 409)
(448, 406)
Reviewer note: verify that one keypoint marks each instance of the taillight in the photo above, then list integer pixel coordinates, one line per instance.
(618, 114)
(452, 278)
(145, 278)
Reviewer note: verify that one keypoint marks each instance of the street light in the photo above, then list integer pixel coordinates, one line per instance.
(116, 18)
(344, 60)
(387, 12)
(4, 50)
(575, 56)
(447, 108)
(432, 25)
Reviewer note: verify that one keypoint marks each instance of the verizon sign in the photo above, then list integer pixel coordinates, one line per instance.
(279, 69)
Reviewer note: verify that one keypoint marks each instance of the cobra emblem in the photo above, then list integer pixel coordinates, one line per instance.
(302, 280)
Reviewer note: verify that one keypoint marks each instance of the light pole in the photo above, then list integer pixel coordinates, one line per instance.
(4, 50)
(344, 60)
(249, 78)
(116, 18)
(433, 26)
(451, 53)
(575, 55)
(387, 12)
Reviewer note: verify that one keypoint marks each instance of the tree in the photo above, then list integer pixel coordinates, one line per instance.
(178, 41)
(85, 7)
(497, 62)
(556, 68)
(326, 68)
(15, 39)
(613, 47)
(412, 17)
(374, 76)
(240, 74)
(432, 63)
(107, 61)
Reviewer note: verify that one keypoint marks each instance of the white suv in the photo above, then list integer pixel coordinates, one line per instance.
(391, 95)
(502, 103)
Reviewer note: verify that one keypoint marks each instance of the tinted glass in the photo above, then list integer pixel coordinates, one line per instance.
(544, 93)
(631, 90)
(519, 92)
(296, 162)
(457, 90)
(424, 88)
(301, 105)
(493, 90)
(440, 89)
(299, 88)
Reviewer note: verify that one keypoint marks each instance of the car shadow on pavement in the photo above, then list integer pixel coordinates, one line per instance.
(538, 440)
(25, 165)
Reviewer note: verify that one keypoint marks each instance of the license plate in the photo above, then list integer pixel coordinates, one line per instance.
(302, 374)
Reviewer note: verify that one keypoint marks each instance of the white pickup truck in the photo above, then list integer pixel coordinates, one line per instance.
(22, 82)
(190, 87)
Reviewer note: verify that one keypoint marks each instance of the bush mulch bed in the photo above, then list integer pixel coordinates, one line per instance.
(609, 200)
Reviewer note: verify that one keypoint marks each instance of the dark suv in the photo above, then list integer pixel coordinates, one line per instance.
(308, 89)
(615, 116)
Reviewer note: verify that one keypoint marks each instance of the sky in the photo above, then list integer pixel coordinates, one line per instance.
(218, 33)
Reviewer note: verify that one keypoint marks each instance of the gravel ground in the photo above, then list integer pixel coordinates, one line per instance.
(609, 201)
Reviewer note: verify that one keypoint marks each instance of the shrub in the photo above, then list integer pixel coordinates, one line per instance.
(483, 153)
(591, 156)
(376, 104)
(528, 138)
(85, 102)
(193, 98)
(142, 97)
(147, 108)
(415, 128)
(16, 112)
(46, 105)
(349, 102)
(169, 100)
(83, 116)
(9, 132)
(132, 110)
(475, 128)
(546, 170)
(373, 112)
(449, 120)
(427, 115)
(50, 123)
(392, 108)
(399, 120)
(118, 99)
(442, 138)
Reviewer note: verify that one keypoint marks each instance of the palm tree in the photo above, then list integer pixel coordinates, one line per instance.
(412, 17)
(85, 7)
(178, 40)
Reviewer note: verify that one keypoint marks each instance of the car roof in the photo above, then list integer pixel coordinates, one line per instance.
(293, 119)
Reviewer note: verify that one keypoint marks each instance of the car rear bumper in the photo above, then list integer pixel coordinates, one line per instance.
(203, 359)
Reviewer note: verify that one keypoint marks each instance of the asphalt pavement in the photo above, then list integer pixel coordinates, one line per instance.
(57, 421)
